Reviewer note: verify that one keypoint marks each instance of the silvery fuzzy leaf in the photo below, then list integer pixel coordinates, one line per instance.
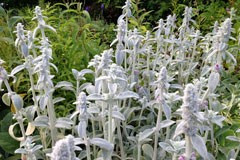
(176, 86)
(17, 101)
(213, 81)
(179, 129)
(166, 110)
(76, 148)
(63, 84)
(127, 94)
(74, 114)
(194, 65)
(166, 147)
(50, 27)
(199, 144)
(233, 138)
(166, 123)
(211, 54)
(58, 99)
(102, 143)
(64, 122)
(95, 97)
(106, 154)
(85, 71)
(6, 99)
(119, 56)
(178, 145)
(41, 121)
(24, 49)
(36, 148)
(112, 87)
(218, 120)
(29, 112)
(118, 115)
(132, 138)
(113, 42)
(145, 134)
(232, 57)
(147, 150)
(90, 89)
(85, 86)
(102, 78)
(78, 141)
(17, 69)
(21, 151)
(93, 110)
(238, 130)
(81, 129)
(68, 89)
(211, 157)
(205, 70)
(43, 102)
(55, 67)
(75, 73)
(98, 87)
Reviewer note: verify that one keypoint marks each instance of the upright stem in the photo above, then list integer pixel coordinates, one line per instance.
(159, 119)
(120, 140)
(52, 119)
(125, 57)
(188, 147)
(87, 149)
(20, 121)
(139, 151)
(94, 134)
(104, 121)
(110, 122)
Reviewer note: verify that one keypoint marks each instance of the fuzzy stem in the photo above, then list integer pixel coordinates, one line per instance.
(103, 121)
(188, 147)
(140, 116)
(94, 134)
(120, 140)
(87, 149)
(20, 121)
(139, 151)
(159, 119)
(174, 157)
(110, 123)
(52, 120)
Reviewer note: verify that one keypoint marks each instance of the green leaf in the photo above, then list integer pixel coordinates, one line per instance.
(2, 11)
(7, 143)
(6, 122)
(15, 157)
(148, 150)
(6, 99)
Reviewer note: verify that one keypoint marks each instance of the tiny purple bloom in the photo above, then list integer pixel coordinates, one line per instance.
(217, 67)
(87, 8)
(181, 158)
(102, 6)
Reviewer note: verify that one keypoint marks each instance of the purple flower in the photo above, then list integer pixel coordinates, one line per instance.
(181, 158)
(87, 8)
(217, 67)
(102, 6)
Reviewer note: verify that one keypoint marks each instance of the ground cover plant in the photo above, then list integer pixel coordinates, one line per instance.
(157, 94)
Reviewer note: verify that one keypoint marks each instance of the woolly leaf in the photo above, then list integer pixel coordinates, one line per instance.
(199, 145)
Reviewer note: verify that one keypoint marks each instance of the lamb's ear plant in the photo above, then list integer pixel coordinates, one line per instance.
(190, 122)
